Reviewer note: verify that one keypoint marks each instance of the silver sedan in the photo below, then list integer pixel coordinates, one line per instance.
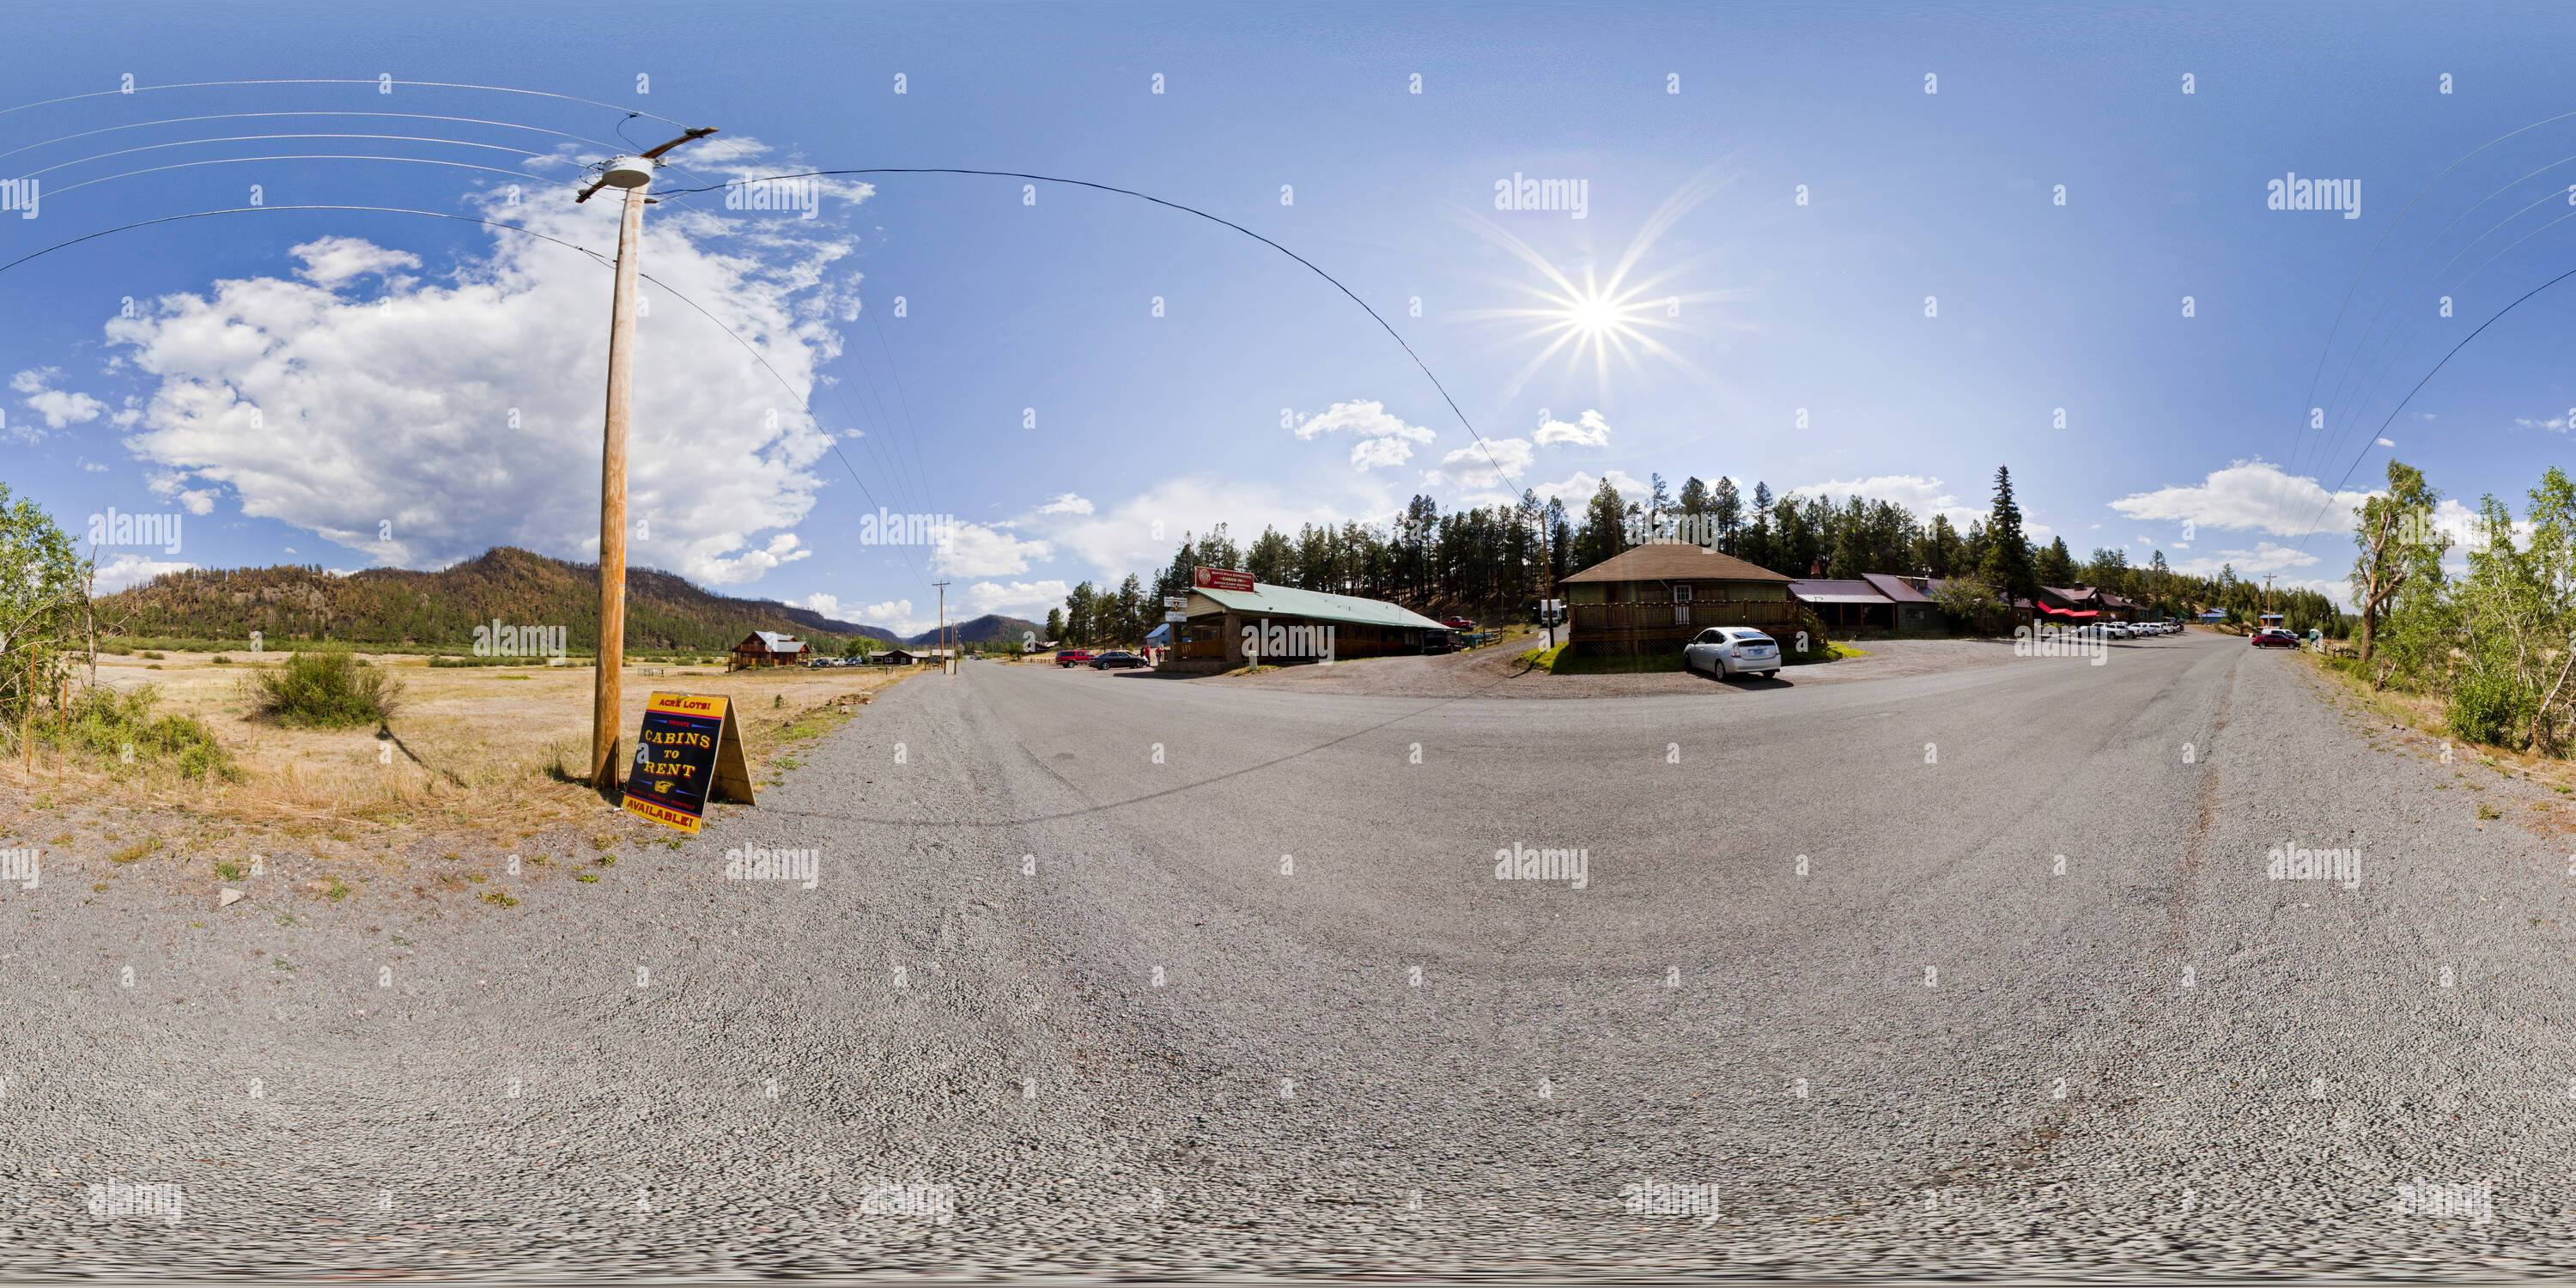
(1732, 650)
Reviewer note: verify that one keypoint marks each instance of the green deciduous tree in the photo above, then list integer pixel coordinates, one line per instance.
(2397, 542)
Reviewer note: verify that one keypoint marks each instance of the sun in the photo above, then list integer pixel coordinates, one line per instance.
(1594, 320)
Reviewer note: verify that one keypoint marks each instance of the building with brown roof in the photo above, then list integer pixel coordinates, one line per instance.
(766, 648)
(1846, 605)
(1655, 598)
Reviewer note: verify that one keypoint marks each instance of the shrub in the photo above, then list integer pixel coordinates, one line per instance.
(324, 690)
(102, 722)
(221, 660)
(2488, 707)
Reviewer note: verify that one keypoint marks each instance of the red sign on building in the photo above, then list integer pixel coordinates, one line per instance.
(1221, 579)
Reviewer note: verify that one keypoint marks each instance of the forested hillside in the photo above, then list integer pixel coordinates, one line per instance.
(399, 606)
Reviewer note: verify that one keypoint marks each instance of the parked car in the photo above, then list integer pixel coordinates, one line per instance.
(2274, 638)
(1440, 641)
(1116, 658)
(1072, 656)
(1459, 623)
(1732, 650)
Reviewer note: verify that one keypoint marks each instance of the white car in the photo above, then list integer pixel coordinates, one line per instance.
(1732, 650)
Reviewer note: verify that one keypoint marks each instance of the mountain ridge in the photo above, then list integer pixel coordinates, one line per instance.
(442, 608)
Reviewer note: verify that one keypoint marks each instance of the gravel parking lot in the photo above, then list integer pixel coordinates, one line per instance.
(1497, 672)
(1977, 967)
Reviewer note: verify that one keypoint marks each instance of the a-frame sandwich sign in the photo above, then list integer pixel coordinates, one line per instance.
(688, 752)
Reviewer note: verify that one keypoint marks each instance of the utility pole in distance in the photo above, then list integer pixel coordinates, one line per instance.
(945, 662)
(632, 174)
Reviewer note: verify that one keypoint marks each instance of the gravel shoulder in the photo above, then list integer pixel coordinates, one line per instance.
(1191, 979)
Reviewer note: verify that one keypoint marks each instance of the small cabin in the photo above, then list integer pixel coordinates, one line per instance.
(766, 648)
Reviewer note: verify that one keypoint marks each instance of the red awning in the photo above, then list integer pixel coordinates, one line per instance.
(2068, 612)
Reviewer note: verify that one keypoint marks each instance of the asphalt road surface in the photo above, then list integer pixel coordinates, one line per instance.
(1973, 969)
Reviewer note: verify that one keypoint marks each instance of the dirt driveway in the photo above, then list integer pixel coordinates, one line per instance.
(1497, 672)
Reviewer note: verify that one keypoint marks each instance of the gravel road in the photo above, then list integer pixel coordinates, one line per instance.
(1102, 972)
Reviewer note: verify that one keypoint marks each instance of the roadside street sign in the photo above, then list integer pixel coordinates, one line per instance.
(1176, 616)
(1176, 601)
(688, 752)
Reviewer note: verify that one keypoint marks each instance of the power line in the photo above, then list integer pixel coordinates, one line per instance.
(1310, 265)
(234, 116)
(495, 89)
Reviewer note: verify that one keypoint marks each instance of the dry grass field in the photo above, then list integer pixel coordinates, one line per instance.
(478, 758)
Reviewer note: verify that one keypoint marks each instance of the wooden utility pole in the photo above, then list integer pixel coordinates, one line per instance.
(942, 636)
(633, 175)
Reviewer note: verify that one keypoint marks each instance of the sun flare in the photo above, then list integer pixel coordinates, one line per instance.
(1591, 321)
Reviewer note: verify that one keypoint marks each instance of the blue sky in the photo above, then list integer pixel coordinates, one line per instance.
(336, 387)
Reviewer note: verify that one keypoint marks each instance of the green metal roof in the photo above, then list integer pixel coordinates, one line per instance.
(1288, 601)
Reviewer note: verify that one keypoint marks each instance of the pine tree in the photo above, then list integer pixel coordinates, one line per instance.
(1757, 537)
(1604, 528)
(1726, 510)
(2054, 565)
(1130, 612)
(2007, 563)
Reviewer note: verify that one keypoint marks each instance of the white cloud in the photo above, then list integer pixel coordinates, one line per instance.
(1029, 599)
(2385, 443)
(818, 602)
(1923, 495)
(1577, 489)
(58, 407)
(2265, 557)
(785, 548)
(1484, 467)
(2249, 495)
(331, 262)
(120, 571)
(975, 550)
(169, 487)
(455, 414)
(1590, 431)
(1369, 453)
(2555, 425)
(1140, 534)
(1066, 503)
(895, 615)
(1384, 437)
